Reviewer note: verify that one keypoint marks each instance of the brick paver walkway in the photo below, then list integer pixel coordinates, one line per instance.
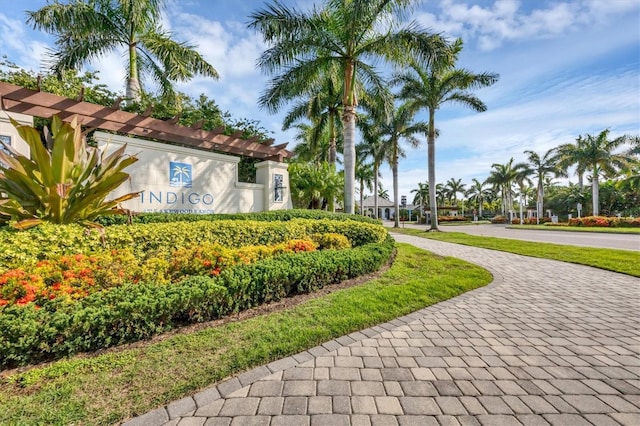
(546, 343)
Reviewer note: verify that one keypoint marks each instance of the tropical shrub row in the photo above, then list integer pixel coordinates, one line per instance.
(24, 249)
(75, 277)
(132, 312)
(452, 219)
(602, 221)
(271, 216)
(499, 219)
(530, 221)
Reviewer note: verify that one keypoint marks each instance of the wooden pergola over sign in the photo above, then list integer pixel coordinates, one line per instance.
(40, 104)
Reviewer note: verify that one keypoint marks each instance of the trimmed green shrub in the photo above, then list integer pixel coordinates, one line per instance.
(76, 276)
(271, 216)
(26, 248)
(531, 221)
(452, 219)
(605, 221)
(331, 241)
(499, 219)
(138, 311)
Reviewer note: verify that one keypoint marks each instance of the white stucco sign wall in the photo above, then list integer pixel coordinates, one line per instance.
(184, 180)
(9, 134)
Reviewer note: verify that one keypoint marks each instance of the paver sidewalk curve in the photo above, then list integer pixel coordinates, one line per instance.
(546, 343)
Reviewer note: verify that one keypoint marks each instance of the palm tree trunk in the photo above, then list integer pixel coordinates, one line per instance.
(133, 84)
(540, 200)
(394, 169)
(580, 181)
(332, 140)
(595, 192)
(375, 189)
(332, 151)
(511, 200)
(431, 166)
(361, 198)
(349, 132)
(332, 156)
(480, 208)
(349, 120)
(332, 161)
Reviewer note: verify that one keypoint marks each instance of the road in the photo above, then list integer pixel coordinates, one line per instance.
(588, 239)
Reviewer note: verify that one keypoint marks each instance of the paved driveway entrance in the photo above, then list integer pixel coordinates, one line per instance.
(546, 343)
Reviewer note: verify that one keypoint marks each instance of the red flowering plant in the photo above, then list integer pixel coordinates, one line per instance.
(18, 287)
(205, 259)
(68, 277)
(211, 259)
(77, 276)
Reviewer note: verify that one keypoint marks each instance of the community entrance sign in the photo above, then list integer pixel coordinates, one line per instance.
(176, 179)
(173, 178)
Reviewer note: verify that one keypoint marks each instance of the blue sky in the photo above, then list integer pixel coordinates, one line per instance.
(567, 67)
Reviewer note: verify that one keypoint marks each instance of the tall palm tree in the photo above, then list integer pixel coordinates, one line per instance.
(566, 159)
(441, 194)
(322, 105)
(373, 147)
(309, 148)
(400, 127)
(85, 30)
(365, 178)
(541, 167)
(313, 185)
(429, 85)
(343, 34)
(597, 155)
(383, 193)
(454, 187)
(478, 193)
(422, 195)
(502, 177)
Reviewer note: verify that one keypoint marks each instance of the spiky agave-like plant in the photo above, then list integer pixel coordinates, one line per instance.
(67, 185)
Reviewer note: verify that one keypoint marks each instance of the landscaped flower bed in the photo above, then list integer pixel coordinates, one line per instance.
(131, 282)
(530, 221)
(26, 248)
(77, 276)
(603, 221)
(452, 219)
(499, 219)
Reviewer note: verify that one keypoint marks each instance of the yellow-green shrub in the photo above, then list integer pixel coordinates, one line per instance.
(138, 311)
(26, 248)
(331, 241)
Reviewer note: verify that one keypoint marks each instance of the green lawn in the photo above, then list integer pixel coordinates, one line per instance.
(623, 261)
(578, 229)
(108, 388)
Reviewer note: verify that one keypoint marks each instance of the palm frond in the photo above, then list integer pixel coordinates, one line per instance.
(179, 60)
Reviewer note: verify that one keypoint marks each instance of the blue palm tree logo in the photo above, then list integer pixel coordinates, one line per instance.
(180, 174)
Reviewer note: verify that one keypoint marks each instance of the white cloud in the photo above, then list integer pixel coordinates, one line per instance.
(26, 53)
(557, 112)
(228, 46)
(507, 20)
(111, 67)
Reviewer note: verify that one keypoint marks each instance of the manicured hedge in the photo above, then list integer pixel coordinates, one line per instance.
(604, 221)
(138, 311)
(26, 248)
(530, 221)
(272, 216)
(453, 219)
(499, 219)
